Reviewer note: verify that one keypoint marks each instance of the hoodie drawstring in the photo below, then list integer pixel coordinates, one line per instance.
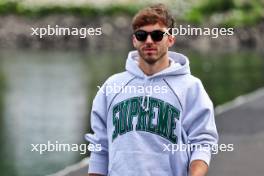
(146, 96)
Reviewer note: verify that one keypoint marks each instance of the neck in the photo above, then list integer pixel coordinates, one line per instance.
(150, 69)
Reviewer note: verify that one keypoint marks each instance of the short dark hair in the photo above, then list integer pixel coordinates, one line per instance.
(151, 15)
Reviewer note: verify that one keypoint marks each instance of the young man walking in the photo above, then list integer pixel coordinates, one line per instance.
(148, 133)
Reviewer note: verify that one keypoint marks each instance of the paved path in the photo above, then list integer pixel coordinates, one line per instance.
(240, 122)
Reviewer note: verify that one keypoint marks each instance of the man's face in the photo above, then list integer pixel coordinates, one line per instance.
(152, 51)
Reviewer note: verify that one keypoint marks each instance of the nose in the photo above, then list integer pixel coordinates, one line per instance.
(149, 39)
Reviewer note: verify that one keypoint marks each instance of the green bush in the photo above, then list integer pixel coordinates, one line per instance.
(215, 6)
(194, 16)
(13, 7)
(231, 12)
(8, 7)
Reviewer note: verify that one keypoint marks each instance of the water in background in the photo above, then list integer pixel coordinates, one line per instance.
(46, 96)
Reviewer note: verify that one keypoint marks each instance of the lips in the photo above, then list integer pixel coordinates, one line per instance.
(149, 49)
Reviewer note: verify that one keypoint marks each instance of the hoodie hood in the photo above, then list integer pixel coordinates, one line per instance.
(179, 65)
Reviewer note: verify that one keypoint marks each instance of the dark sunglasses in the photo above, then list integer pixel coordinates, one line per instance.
(156, 35)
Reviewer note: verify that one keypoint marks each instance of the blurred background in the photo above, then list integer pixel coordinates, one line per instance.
(47, 84)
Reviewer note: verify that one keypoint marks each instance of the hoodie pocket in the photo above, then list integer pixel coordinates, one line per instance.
(140, 164)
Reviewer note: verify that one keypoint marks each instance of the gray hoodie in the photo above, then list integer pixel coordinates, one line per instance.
(145, 126)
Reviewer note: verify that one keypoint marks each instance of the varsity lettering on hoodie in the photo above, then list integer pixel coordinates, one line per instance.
(136, 129)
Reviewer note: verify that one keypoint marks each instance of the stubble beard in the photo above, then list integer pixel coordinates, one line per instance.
(151, 60)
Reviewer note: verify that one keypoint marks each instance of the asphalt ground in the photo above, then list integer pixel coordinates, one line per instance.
(243, 126)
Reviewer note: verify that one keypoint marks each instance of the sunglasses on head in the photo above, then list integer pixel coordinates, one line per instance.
(155, 35)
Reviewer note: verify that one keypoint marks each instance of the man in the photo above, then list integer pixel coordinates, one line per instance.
(139, 131)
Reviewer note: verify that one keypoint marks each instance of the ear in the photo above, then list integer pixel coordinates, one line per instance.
(134, 40)
(171, 40)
